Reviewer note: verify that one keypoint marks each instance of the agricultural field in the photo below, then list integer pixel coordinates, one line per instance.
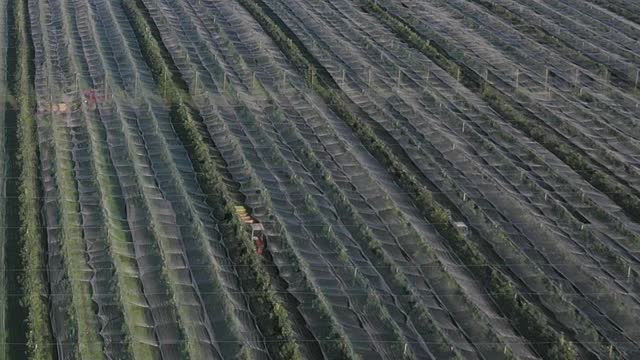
(319, 179)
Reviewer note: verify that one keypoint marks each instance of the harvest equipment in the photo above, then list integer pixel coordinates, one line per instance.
(257, 230)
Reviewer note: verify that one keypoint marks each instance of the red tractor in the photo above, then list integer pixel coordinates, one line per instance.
(257, 230)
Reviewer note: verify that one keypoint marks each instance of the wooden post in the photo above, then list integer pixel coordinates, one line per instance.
(399, 78)
(224, 82)
(546, 79)
(517, 78)
(343, 77)
(253, 80)
(637, 78)
(369, 78)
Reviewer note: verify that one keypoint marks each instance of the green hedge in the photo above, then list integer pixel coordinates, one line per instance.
(40, 339)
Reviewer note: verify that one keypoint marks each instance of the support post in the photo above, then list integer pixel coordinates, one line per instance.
(546, 79)
(106, 87)
(224, 82)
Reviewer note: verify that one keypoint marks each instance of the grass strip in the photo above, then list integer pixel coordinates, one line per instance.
(273, 319)
(526, 317)
(40, 339)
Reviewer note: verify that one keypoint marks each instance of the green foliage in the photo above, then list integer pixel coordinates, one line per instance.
(273, 318)
(34, 281)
